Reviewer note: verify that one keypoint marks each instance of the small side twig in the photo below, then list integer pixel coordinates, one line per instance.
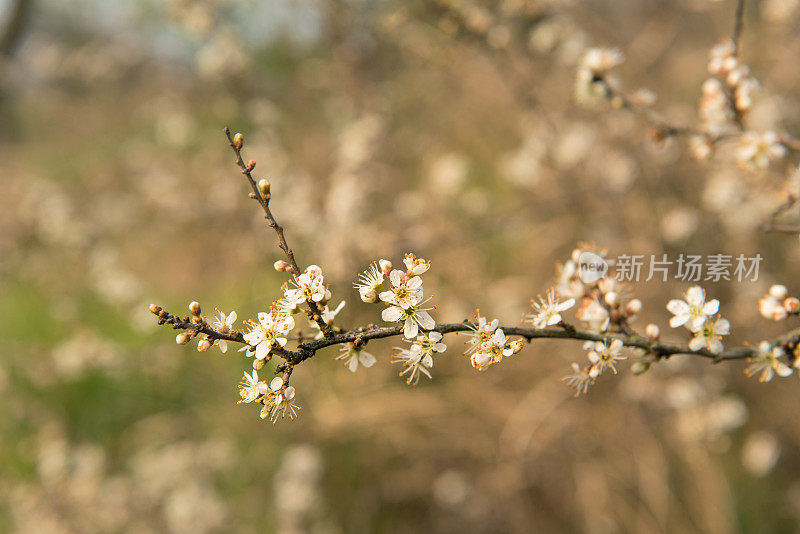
(263, 200)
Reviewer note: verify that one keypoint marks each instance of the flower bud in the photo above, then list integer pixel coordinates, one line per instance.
(640, 367)
(633, 307)
(612, 299)
(652, 331)
(792, 305)
(258, 364)
(203, 345)
(282, 266)
(479, 359)
(263, 185)
(238, 140)
(154, 309)
(779, 291)
(251, 164)
(183, 338)
(194, 308)
(369, 296)
(386, 266)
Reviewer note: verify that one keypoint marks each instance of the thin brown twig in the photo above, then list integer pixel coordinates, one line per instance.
(738, 24)
(781, 228)
(316, 313)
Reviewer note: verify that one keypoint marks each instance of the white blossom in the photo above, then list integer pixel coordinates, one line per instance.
(404, 292)
(223, 325)
(547, 312)
(415, 363)
(481, 331)
(413, 318)
(353, 356)
(595, 315)
(269, 332)
(579, 380)
(308, 287)
(694, 311)
(604, 355)
(494, 350)
(250, 388)
(767, 363)
(415, 265)
(279, 402)
(710, 336)
(370, 282)
(757, 151)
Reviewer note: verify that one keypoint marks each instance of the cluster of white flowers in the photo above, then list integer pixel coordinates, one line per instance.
(417, 360)
(696, 315)
(594, 80)
(777, 304)
(403, 297)
(726, 97)
(767, 362)
(488, 344)
(603, 302)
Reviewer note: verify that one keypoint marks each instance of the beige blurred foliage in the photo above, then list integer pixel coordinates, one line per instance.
(445, 128)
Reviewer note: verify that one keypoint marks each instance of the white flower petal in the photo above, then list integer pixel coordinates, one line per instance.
(366, 359)
(425, 320)
(392, 314)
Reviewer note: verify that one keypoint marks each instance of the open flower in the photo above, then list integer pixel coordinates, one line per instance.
(604, 355)
(710, 336)
(405, 291)
(767, 362)
(279, 402)
(494, 350)
(416, 265)
(308, 287)
(481, 331)
(250, 388)
(547, 312)
(594, 314)
(430, 343)
(370, 282)
(579, 380)
(694, 311)
(269, 332)
(757, 151)
(413, 318)
(415, 363)
(223, 325)
(353, 356)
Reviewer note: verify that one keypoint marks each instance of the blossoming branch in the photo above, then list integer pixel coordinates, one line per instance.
(604, 310)
(721, 131)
